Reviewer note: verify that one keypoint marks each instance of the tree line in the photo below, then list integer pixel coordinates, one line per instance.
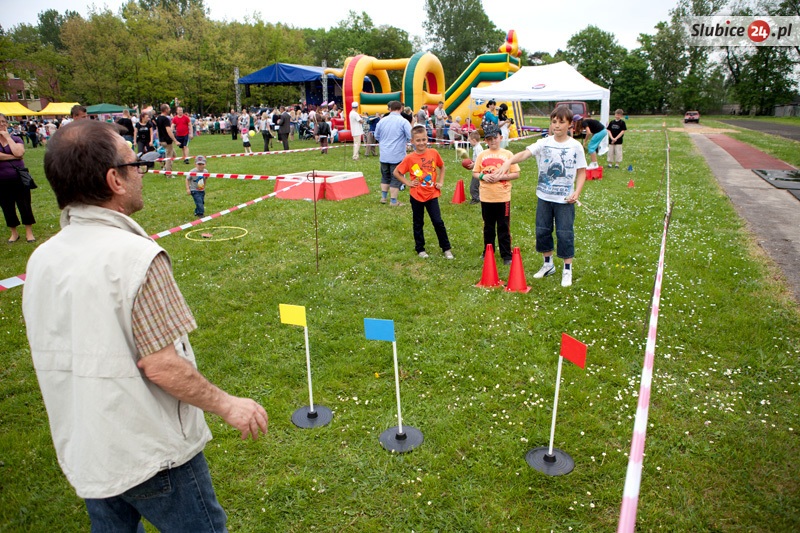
(154, 51)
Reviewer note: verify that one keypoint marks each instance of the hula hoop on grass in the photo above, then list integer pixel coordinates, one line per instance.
(208, 239)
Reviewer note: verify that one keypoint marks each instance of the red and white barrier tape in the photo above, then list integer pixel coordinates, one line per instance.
(193, 223)
(211, 175)
(17, 281)
(199, 221)
(10, 283)
(633, 478)
(249, 154)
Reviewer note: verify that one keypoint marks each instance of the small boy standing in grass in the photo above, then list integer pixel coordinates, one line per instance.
(196, 186)
(616, 129)
(426, 168)
(562, 173)
(495, 191)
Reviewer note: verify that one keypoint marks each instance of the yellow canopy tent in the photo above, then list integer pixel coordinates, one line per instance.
(58, 108)
(15, 109)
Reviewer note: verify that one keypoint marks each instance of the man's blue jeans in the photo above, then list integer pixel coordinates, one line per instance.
(177, 499)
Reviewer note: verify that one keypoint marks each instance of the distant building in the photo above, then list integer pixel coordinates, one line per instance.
(788, 110)
(16, 89)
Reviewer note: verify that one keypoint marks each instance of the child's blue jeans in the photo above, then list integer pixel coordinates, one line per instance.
(564, 217)
(199, 203)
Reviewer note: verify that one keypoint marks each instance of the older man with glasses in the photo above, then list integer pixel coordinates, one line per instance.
(108, 330)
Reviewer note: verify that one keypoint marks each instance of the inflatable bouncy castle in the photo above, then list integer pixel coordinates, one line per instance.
(423, 84)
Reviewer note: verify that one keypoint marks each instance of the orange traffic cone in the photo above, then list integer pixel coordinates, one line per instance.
(489, 278)
(458, 194)
(630, 184)
(516, 276)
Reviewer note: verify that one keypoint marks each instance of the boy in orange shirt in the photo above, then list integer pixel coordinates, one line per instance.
(426, 170)
(495, 192)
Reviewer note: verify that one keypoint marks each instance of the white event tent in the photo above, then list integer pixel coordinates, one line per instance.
(548, 83)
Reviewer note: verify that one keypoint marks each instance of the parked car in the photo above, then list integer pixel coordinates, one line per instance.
(691, 116)
(578, 108)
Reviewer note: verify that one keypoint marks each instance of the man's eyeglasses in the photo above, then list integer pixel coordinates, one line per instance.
(141, 166)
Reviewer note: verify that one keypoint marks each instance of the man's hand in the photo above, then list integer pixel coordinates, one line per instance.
(245, 415)
(178, 377)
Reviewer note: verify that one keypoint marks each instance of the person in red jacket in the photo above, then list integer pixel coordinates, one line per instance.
(183, 132)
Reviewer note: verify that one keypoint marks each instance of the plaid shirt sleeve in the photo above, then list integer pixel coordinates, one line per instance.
(160, 314)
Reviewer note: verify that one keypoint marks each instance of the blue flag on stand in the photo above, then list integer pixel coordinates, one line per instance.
(377, 329)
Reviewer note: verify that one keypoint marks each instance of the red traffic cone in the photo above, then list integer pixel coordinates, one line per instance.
(458, 194)
(630, 184)
(516, 276)
(489, 278)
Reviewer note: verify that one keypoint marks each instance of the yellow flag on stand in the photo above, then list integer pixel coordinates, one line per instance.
(293, 314)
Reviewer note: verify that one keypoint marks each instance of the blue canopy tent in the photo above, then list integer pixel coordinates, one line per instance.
(310, 77)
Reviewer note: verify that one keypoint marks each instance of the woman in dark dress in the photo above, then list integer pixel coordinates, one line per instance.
(13, 194)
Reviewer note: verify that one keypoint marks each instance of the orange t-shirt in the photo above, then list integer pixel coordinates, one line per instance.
(424, 168)
(488, 161)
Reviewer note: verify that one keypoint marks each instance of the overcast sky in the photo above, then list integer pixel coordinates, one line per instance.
(541, 26)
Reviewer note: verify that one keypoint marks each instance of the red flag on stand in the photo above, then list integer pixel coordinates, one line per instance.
(573, 350)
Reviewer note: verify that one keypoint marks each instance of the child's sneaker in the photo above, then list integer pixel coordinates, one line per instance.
(547, 269)
(566, 277)
(591, 166)
(610, 165)
(448, 254)
(424, 255)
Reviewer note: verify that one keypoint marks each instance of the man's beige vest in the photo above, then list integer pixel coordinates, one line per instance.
(112, 428)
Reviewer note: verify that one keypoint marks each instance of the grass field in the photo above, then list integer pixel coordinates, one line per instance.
(478, 366)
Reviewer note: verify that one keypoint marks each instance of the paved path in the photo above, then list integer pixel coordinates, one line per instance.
(784, 130)
(771, 214)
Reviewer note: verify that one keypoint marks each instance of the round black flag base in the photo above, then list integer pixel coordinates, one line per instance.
(397, 442)
(304, 418)
(558, 464)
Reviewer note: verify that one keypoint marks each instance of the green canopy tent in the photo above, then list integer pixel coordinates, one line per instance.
(105, 109)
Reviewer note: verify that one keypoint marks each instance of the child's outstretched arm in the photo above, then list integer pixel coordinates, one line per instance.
(519, 157)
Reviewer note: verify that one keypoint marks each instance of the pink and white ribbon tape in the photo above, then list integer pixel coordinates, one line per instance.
(17, 281)
(633, 478)
(199, 221)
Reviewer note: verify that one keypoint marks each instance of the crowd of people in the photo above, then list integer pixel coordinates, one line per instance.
(101, 281)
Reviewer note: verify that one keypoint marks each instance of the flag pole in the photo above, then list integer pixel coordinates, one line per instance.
(555, 409)
(546, 459)
(308, 368)
(397, 392)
